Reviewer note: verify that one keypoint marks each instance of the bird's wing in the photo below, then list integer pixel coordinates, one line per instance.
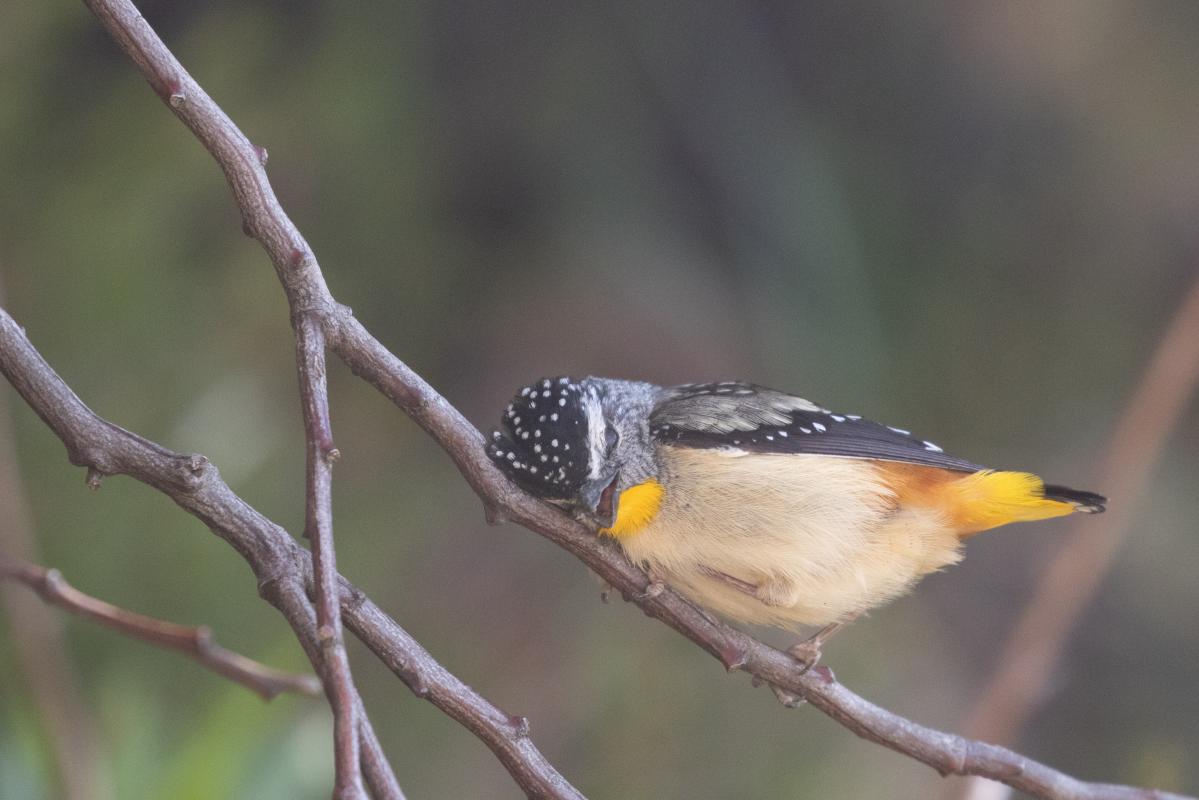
(744, 416)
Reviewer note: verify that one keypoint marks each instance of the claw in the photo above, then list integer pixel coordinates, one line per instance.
(808, 651)
(655, 588)
(786, 698)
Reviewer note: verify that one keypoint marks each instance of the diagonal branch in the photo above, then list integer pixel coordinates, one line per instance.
(196, 643)
(1034, 647)
(297, 268)
(305, 286)
(339, 684)
(42, 656)
(1085, 556)
(944, 752)
(283, 569)
(280, 565)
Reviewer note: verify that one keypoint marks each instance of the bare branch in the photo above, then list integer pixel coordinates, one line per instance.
(283, 568)
(1085, 556)
(339, 685)
(190, 480)
(508, 736)
(196, 643)
(375, 766)
(41, 655)
(265, 220)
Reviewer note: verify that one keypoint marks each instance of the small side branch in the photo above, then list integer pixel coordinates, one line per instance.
(283, 569)
(196, 643)
(1070, 580)
(41, 654)
(307, 292)
(318, 433)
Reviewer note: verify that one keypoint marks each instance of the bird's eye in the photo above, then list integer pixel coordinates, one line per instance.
(611, 437)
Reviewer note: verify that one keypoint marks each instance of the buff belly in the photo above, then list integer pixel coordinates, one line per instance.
(807, 539)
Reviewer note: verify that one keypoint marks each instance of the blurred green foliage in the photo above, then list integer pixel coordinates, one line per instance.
(970, 219)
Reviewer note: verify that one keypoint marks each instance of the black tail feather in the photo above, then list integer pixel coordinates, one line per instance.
(1086, 502)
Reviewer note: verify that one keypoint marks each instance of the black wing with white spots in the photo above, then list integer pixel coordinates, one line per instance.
(748, 417)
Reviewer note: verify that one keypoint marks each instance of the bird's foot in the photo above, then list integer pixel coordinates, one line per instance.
(654, 588)
(807, 652)
(787, 699)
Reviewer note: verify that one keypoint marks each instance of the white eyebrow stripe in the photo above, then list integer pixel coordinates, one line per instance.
(594, 411)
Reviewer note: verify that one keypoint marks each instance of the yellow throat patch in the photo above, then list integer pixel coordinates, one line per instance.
(637, 508)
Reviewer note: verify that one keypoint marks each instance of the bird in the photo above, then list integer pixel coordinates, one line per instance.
(756, 504)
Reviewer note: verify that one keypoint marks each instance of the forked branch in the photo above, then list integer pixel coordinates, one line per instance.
(187, 477)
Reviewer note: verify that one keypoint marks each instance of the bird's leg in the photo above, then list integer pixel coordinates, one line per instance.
(772, 592)
(809, 650)
(745, 587)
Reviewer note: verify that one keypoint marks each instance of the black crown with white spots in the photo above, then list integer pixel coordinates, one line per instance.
(542, 444)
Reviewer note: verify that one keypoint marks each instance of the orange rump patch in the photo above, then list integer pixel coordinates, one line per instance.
(972, 501)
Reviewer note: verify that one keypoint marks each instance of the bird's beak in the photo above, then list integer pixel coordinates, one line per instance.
(599, 499)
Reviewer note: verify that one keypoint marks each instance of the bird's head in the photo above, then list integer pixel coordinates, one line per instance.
(578, 443)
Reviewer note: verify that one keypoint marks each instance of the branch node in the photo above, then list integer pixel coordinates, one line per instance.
(268, 585)
(85, 455)
(354, 601)
(297, 258)
(203, 638)
(193, 468)
(734, 658)
(331, 455)
(494, 514)
(177, 99)
(824, 675)
(418, 685)
(53, 583)
(260, 151)
(326, 636)
(94, 478)
(170, 89)
(520, 725)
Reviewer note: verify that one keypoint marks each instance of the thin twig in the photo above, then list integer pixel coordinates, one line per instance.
(1032, 651)
(283, 568)
(42, 656)
(197, 643)
(300, 274)
(339, 684)
(290, 594)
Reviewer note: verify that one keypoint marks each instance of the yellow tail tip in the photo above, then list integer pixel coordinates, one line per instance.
(988, 499)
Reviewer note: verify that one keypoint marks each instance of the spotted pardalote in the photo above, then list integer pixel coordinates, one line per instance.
(757, 504)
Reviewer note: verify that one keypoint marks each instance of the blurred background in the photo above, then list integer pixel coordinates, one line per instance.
(970, 219)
